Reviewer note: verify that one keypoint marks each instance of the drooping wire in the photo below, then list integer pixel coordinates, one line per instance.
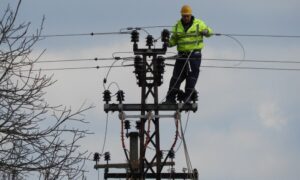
(115, 83)
(112, 65)
(105, 79)
(240, 44)
(186, 153)
(185, 128)
(105, 135)
(122, 118)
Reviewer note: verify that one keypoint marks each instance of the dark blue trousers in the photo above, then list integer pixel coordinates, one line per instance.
(185, 69)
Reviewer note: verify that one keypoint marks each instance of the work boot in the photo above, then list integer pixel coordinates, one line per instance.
(170, 101)
(181, 96)
(171, 97)
(189, 96)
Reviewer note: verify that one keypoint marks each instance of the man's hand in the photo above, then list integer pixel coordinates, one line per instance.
(204, 32)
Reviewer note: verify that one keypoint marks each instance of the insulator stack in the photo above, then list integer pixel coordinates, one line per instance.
(96, 157)
(165, 37)
(149, 41)
(138, 124)
(106, 96)
(180, 96)
(138, 65)
(194, 96)
(160, 69)
(171, 154)
(135, 36)
(107, 156)
(120, 96)
(127, 124)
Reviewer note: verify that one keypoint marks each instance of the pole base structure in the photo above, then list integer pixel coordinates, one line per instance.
(151, 107)
(154, 175)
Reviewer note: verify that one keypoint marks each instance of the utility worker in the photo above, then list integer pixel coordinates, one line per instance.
(187, 35)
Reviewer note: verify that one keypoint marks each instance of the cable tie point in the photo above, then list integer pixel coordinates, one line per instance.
(95, 59)
(92, 34)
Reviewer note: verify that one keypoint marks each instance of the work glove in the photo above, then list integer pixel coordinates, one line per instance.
(204, 32)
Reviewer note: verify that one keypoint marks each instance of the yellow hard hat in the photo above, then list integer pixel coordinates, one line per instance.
(186, 10)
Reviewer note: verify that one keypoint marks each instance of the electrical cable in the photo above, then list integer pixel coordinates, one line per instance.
(167, 64)
(75, 68)
(186, 153)
(232, 34)
(170, 58)
(148, 138)
(112, 65)
(252, 60)
(151, 27)
(240, 44)
(177, 117)
(74, 34)
(259, 35)
(253, 68)
(105, 135)
(185, 128)
(115, 83)
(73, 60)
(233, 60)
(105, 79)
(122, 118)
(246, 68)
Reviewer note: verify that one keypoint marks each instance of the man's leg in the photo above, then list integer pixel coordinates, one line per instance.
(179, 74)
(193, 74)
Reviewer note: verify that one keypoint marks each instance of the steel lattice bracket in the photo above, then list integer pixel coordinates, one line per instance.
(154, 175)
(151, 107)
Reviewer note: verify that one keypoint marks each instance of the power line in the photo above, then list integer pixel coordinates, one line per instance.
(252, 68)
(204, 66)
(128, 31)
(76, 68)
(246, 68)
(83, 59)
(75, 34)
(170, 58)
(73, 60)
(253, 60)
(245, 60)
(259, 35)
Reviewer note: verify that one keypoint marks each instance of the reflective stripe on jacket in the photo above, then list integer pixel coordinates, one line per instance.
(190, 40)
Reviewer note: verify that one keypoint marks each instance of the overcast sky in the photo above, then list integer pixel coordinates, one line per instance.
(247, 123)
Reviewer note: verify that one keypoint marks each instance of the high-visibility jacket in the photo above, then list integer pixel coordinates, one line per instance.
(190, 40)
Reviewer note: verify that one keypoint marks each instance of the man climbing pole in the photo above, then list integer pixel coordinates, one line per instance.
(187, 35)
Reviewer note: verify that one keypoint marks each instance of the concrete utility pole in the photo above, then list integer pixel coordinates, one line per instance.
(142, 164)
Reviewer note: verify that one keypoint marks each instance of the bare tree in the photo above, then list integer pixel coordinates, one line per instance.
(34, 136)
